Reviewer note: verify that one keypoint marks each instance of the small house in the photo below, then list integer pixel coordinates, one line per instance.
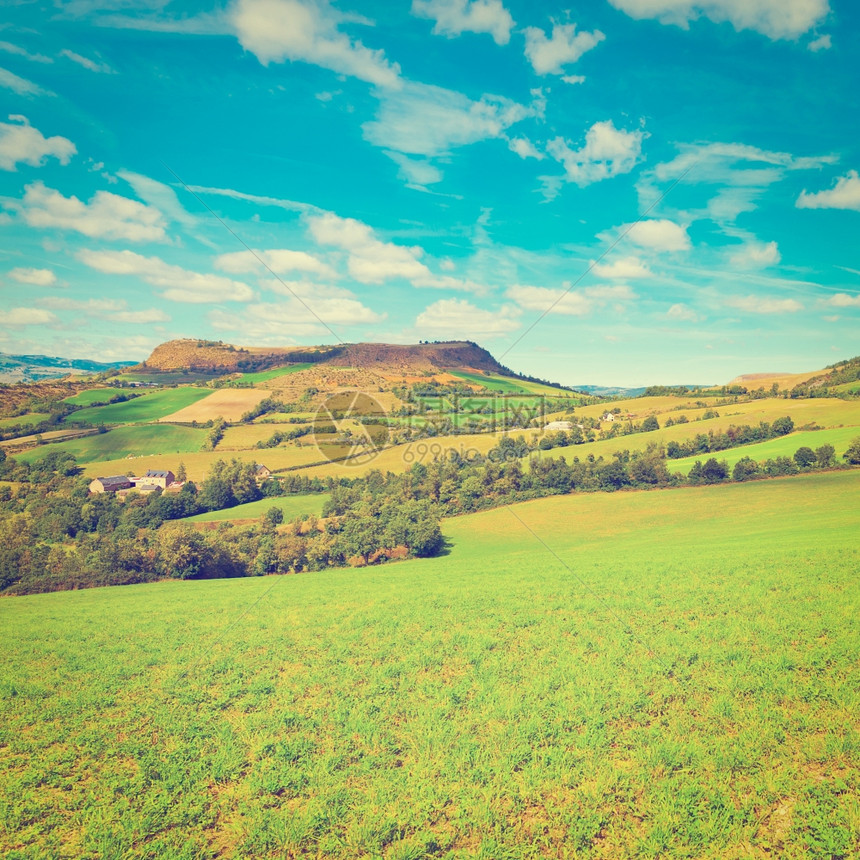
(608, 416)
(261, 472)
(157, 477)
(111, 485)
(175, 487)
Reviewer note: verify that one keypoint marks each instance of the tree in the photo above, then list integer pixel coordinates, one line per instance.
(650, 423)
(805, 457)
(745, 469)
(181, 474)
(714, 471)
(852, 455)
(826, 456)
(274, 517)
(783, 426)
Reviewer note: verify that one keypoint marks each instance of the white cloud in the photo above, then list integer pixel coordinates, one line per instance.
(92, 65)
(764, 305)
(843, 300)
(421, 119)
(756, 255)
(307, 30)
(178, 284)
(845, 194)
(416, 172)
(607, 152)
(573, 79)
(159, 196)
(106, 216)
(524, 148)
(566, 301)
(21, 143)
(658, 234)
(822, 43)
(778, 19)
(278, 260)
(369, 261)
(108, 309)
(19, 85)
(34, 277)
(27, 316)
(682, 313)
(9, 48)
(549, 56)
(457, 318)
(626, 268)
(454, 17)
(271, 322)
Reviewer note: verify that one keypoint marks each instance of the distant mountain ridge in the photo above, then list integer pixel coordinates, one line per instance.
(31, 368)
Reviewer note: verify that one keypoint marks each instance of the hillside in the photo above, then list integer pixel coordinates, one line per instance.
(384, 358)
(31, 368)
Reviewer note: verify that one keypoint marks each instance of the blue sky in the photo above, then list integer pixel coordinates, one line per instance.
(613, 191)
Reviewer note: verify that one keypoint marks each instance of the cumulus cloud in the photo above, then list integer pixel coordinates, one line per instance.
(756, 255)
(271, 322)
(845, 194)
(524, 148)
(307, 31)
(20, 143)
(34, 277)
(454, 17)
(458, 318)
(777, 19)
(416, 172)
(278, 260)
(657, 234)
(822, 43)
(422, 119)
(549, 55)
(607, 152)
(764, 304)
(114, 310)
(177, 284)
(625, 268)
(843, 300)
(682, 313)
(19, 85)
(27, 316)
(369, 260)
(566, 301)
(106, 216)
(91, 65)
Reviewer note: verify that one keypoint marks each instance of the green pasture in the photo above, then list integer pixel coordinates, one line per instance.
(669, 674)
(494, 382)
(784, 446)
(96, 395)
(147, 407)
(266, 375)
(292, 506)
(122, 442)
(28, 420)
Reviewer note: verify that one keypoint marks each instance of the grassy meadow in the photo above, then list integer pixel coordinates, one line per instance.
(292, 507)
(95, 395)
(147, 407)
(667, 674)
(275, 373)
(116, 445)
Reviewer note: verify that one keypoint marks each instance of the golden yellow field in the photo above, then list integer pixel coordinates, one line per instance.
(785, 381)
(228, 403)
(247, 435)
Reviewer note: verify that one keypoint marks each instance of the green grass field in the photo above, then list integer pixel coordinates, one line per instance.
(29, 420)
(292, 506)
(266, 375)
(122, 441)
(669, 674)
(494, 382)
(147, 407)
(785, 446)
(96, 395)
